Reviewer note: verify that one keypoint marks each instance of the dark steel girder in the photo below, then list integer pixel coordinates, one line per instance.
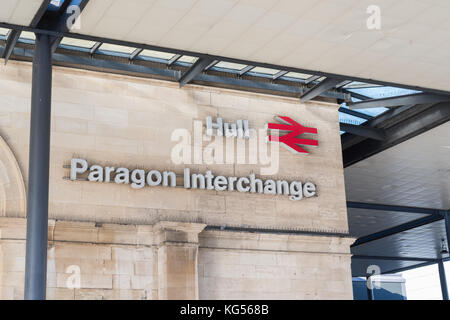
(279, 74)
(212, 64)
(135, 53)
(413, 266)
(135, 69)
(355, 113)
(363, 257)
(40, 13)
(319, 88)
(11, 42)
(245, 70)
(417, 98)
(413, 124)
(398, 229)
(311, 79)
(59, 33)
(195, 70)
(356, 95)
(392, 208)
(174, 59)
(14, 35)
(367, 132)
(60, 23)
(95, 48)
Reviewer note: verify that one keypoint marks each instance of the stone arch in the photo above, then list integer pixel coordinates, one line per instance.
(12, 186)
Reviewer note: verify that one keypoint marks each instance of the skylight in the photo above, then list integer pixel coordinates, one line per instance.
(230, 65)
(3, 32)
(27, 36)
(187, 59)
(383, 92)
(116, 48)
(264, 70)
(156, 54)
(359, 85)
(347, 118)
(297, 75)
(86, 44)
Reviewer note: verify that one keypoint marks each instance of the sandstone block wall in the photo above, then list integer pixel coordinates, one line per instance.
(172, 260)
(117, 237)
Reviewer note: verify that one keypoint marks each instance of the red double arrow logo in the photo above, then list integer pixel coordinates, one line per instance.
(293, 129)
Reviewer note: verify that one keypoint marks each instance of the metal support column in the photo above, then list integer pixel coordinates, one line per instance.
(38, 172)
(443, 280)
(447, 227)
(369, 286)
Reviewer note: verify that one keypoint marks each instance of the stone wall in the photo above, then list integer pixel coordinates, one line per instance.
(149, 243)
(177, 261)
(124, 121)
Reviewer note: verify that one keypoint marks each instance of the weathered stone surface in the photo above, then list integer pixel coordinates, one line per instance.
(109, 241)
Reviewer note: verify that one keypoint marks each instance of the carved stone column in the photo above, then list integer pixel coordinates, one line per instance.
(177, 259)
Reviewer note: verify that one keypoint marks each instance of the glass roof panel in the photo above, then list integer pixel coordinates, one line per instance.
(356, 85)
(27, 36)
(116, 48)
(3, 31)
(298, 75)
(187, 59)
(383, 92)
(379, 93)
(156, 54)
(78, 43)
(370, 111)
(264, 70)
(230, 65)
(347, 118)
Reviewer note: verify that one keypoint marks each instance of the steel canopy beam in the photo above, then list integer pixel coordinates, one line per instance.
(363, 131)
(40, 13)
(245, 70)
(392, 208)
(397, 229)
(62, 25)
(212, 64)
(417, 98)
(135, 53)
(355, 113)
(414, 124)
(14, 35)
(279, 74)
(363, 257)
(442, 279)
(356, 95)
(195, 70)
(311, 79)
(174, 59)
(85, 61)
(11, 42)
(58, 33)
(320, 88)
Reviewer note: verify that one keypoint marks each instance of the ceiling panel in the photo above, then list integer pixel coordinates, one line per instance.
(363, 222)
(421, 242)
(360, 266)
(19, 12)
(413, 173)
(412, 46)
